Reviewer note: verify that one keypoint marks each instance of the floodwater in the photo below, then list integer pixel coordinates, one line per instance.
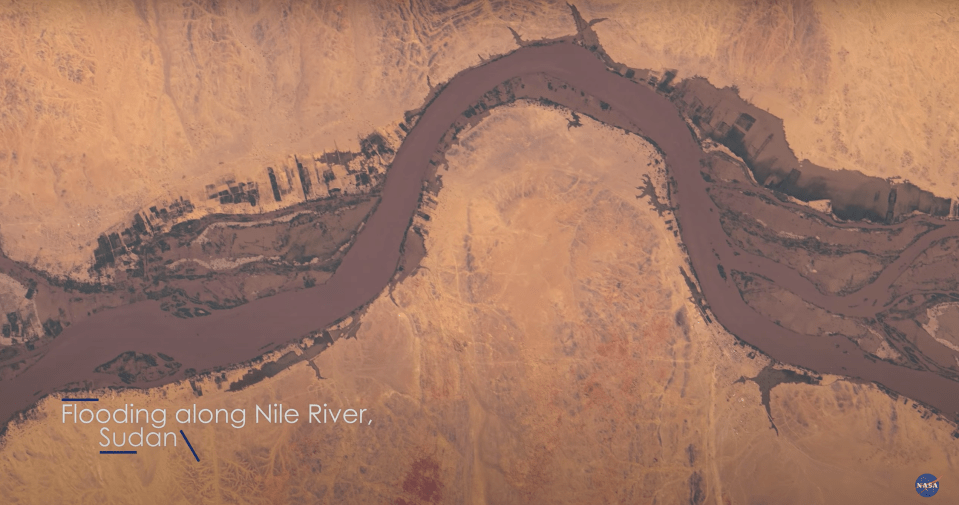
(237, 335)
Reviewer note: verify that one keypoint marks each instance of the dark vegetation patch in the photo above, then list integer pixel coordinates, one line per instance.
(132, 367)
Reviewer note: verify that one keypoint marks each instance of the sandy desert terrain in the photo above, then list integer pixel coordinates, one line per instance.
(549, 356)
(112, 108)
(546, 350)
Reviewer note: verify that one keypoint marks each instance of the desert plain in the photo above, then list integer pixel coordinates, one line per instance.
(545, 349)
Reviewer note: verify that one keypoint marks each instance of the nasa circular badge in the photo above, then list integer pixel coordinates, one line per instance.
(927, 485)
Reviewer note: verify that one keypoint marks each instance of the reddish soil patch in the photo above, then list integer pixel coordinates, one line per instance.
(422, 482)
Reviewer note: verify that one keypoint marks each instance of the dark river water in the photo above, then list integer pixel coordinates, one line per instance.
(237, 335)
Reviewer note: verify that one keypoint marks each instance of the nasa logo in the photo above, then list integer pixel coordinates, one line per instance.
(927, 485)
